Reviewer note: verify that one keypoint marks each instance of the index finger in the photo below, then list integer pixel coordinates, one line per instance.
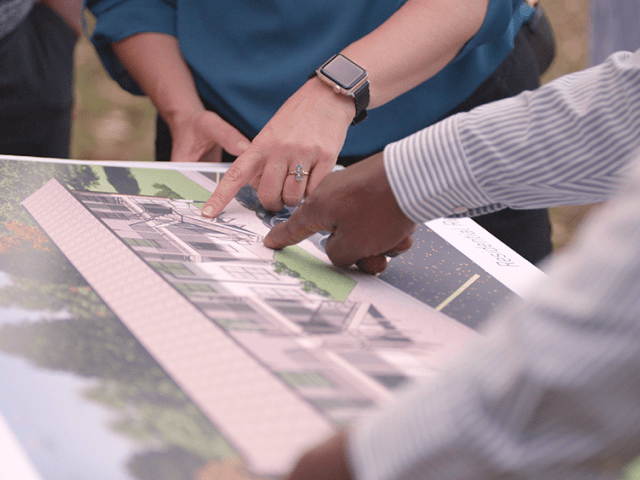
(237, 176)
(293, 231)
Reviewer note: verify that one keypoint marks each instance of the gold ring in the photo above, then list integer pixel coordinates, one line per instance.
(298, 172)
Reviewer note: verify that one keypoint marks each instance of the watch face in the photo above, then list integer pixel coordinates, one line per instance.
(344, 72)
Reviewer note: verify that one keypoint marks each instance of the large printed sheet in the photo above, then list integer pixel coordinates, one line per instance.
(269, 351)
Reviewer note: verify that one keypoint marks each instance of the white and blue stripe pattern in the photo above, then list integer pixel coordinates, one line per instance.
(566, 143)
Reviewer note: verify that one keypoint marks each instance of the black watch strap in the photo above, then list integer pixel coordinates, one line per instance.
(361, 97)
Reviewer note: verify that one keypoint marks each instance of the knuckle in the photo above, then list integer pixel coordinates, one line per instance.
(408, 242)
(234, 174)
(291, 200)
(270, 201)
(216, 199)
(322, 154)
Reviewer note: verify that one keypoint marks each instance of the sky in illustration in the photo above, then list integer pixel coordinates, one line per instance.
(54, 443)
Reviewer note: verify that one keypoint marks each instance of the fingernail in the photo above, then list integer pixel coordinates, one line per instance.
(207, 211)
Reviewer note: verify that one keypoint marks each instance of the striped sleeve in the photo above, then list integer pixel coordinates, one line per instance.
(566, 143)
(552, 390)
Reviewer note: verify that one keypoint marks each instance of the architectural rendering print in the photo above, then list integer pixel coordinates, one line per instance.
(268, 350)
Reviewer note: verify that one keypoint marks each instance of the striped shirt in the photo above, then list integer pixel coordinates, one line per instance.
(552, 391)
(563, 144)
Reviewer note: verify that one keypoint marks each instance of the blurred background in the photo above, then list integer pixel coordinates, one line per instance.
(111, 124)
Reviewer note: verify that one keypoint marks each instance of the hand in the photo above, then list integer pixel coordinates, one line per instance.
(326, 461)
(309, 129)
(358, 207)
(154, 60)
(202, 135)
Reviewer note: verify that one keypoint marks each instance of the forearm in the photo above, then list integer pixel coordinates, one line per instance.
(551, 393)
(414, 44)
(566, 143)
(155, 62)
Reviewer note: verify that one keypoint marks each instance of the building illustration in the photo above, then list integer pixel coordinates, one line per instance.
(311, 342)
(262, 346)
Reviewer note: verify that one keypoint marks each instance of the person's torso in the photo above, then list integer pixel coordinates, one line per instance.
(249, 56)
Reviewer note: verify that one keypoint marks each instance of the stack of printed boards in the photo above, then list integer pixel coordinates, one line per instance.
(139, 340)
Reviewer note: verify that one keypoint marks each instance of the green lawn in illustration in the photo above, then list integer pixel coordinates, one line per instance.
(310, 268)
(153, 183)
(148, 179)
(633, 471)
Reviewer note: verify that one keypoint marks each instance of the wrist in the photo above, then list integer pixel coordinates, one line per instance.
(340, 105)
(176, 118)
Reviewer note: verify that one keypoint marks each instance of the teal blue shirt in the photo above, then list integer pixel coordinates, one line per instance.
(249, 56)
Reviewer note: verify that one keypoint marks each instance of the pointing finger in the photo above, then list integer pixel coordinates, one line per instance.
(240, 172)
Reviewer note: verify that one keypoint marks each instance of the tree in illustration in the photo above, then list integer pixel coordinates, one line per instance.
(172, 463)
(149, 406)
(166, 192)
(122, 180)
(91, 343)
(18, 180)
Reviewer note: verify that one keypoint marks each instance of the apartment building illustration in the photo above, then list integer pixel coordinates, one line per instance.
(322, 349)
(275, 348)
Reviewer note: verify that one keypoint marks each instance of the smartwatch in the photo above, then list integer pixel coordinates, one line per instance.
(346, 78)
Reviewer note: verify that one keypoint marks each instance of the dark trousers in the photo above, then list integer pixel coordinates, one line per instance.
(528, 232)
(36, 78)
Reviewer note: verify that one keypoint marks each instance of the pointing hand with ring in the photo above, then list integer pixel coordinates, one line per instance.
(294, 151)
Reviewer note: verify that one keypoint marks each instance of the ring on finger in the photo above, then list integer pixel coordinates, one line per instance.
(298, 172)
